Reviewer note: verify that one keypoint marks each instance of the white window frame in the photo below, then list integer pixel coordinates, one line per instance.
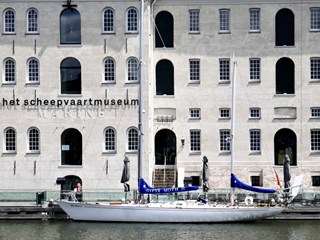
(33, 71)
(194, 21)
(195, 141)
(108, 20)
(255, 113)
(224, 20)
(34, 20)
(111, 73)
(224, 70)
(225, 140)
(194, 113)
(132, 20)
(315, 140)
(194, 70)
(314, 19)
(254, 20)
(13, 139)
(315, 112)
(109, 140)
(9, 24)
(132, 70)
(225, 113)
(315, 69)
(35, 139)
(255, 70)
(9, 73)
(255, 140)
(132, 141)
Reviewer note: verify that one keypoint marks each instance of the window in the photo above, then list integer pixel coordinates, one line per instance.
(70, 76)
(255, 140)
(164, 77)
(255, 181)
(70, 26)
(32, 21)
(224, 16)
(254, 25)
(194, 26)
(315, 181)
(33, 71)
(109, 70)
(33, 140)
(194, 113)
(9, 71)
(10, 140)
(164, 30)
(225, 113)
(315, 112)
(224, 70)
(285, 28)
(315, 19)
(108, 20)
(132, 20)
(285, 79)
(109, 140)
(195, 140)
(133, 139)
(255, 113)
(315, 69)
(315, 140)
(71, 147)
(194, 67)
(225, 141)
(254, 69)
(9, 22)
(132, 68)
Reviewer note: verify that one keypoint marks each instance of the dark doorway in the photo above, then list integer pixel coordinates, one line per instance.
(285, 142)
(285, 28)
(285, 76)
(71, 147)
(164, 30)
(165, 147)
(164, 78)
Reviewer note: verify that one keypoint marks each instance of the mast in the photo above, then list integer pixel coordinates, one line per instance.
(140, 130)
(233, 123)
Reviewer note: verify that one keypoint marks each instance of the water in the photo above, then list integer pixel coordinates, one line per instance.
(63, 230)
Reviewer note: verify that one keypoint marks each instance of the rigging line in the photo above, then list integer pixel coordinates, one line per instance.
(155, 25)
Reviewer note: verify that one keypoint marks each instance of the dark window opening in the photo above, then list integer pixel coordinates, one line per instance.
(70, 76)
(285, 142)
(165, 147)
(164, 30)
(70, 26)
(285, 28)
(315, 181)
(285, 76)
(71, 147)
(255, 181)
(164, 78)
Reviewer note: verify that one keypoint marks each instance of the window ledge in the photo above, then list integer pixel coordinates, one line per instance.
(109, 152)
(254, 31)
(33, 152)
(70, 95)
(32, 33)
(70, 166)
(195, 153)
(194, 33)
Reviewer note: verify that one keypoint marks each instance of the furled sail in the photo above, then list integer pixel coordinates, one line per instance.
(144, 188)
(236, 183)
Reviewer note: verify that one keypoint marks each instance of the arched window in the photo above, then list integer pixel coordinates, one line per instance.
(9, 21)
(70, 76)
(132, 69)
(108, 21)
(165, 147)
(132, 140)
(110, 139)
(285, 76)
(32, 21)
(132, 20)
(70, 26)
(33, 140)
(285, 28)
(10, 141)
(285, 142)
(71, 147)
(9, 71)
(164, 78)
(33, 71)
(164, 32)
(109, 70)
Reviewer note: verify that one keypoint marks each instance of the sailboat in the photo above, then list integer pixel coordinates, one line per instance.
(187, 211)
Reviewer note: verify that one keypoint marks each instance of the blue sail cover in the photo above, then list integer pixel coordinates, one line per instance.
(236, 183)
(144, 188)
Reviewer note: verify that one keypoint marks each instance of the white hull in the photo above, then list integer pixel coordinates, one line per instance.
(157, 213)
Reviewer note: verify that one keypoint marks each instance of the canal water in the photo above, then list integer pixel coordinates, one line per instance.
(69, 230)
